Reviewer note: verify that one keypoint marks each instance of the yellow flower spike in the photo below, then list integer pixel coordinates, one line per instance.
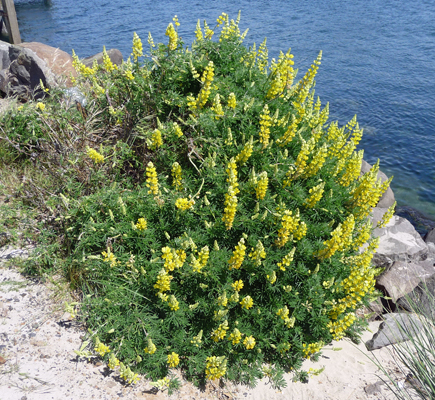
(387, 216)
(137, 46)
(249, 342)
(247, 302)
(177, 177)
(40, 105)
(265, 123)
(257, 254)
(217, 107)
(150, 41)
(173, 360)
(152, 182)
(272, 277)
(222, 300)
(290, 225)
(113, 361)
(101, 348)
(151, 348)
(208, 32)
(173, 37)
(173, 303)
(156, 139)
(237, 285)
(216, 367)
(319, 158)
(141, 224)
(184, 203)
(232, 103)
(163, 283)
(235, 337)
(311, 349)
(107, 62)
(94, 155)
(220, 332)
(198, 32)
(316, 194)
(261, 188)
(283, 312)
(238, 255)
(197, 340)
(176, 23)
(262, 57)
(177, 130)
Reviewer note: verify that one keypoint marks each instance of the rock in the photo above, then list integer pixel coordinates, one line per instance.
(430, 236)
(58, 61)
(2, 360)
(399, 241)
(114, 54)
(374, 388)
(395, 329)
(387, 199)
(22, 71)
(421, 299)
(402, 277)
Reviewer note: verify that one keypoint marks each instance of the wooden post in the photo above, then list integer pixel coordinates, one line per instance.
(11, 21)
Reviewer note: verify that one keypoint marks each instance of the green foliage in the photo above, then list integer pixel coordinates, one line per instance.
(210, 214)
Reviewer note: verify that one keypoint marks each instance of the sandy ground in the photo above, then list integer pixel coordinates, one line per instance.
(37, 359)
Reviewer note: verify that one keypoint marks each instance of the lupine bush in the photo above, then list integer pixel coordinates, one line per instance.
(218, 222)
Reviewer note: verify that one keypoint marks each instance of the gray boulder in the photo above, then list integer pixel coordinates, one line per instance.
(396, 328)
(430, 236)
(387, 199)
(399, 241)
(421, 299)
(403, 276)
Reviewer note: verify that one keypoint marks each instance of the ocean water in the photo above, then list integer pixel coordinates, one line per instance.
(378, 61)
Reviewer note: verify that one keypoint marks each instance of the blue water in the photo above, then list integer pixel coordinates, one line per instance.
(378, 61)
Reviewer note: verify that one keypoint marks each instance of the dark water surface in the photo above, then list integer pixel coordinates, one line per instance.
(378, 61)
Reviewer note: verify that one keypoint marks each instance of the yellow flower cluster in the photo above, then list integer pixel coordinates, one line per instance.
(82, 69)
(203, 257)
(151, 182)
(173, 37)
(238, 255)
(237, 285)
(173, 258)
(113, 361)
(316, 194)
(173, 303)
(304, 85)
(257, 253)
(247, 302)
(204, 93)
(319, 158)
(311, 349)
(41, 106)
(127, 374)
(173, 360)
(184, 203)
(282, 74)
(141, 224)
(261, 188)
(352, 167)
(387, 216)
(231, 195)
(286, 261)
(265, 124)
(109, 257)
(151, 41)
(177, 130)
(220, 332)
(290, 225)
(176, 177)
(156, 139)
(208, 32)
(101, 348)
(235, 336)
(217, 106)
(137, 46)
(163, 283)
(246, 152)
(289, 133)
(283, 313)
(197, 340)
(198, 32)
(94, 155)
(262, 57)
(151, 347)
(216, 367)
(249, 342)
(232, 103)
(338, 328)
(222, 300)
(107, 62)
(363, 234)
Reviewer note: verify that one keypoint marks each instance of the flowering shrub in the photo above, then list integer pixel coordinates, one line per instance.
(237, 244)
